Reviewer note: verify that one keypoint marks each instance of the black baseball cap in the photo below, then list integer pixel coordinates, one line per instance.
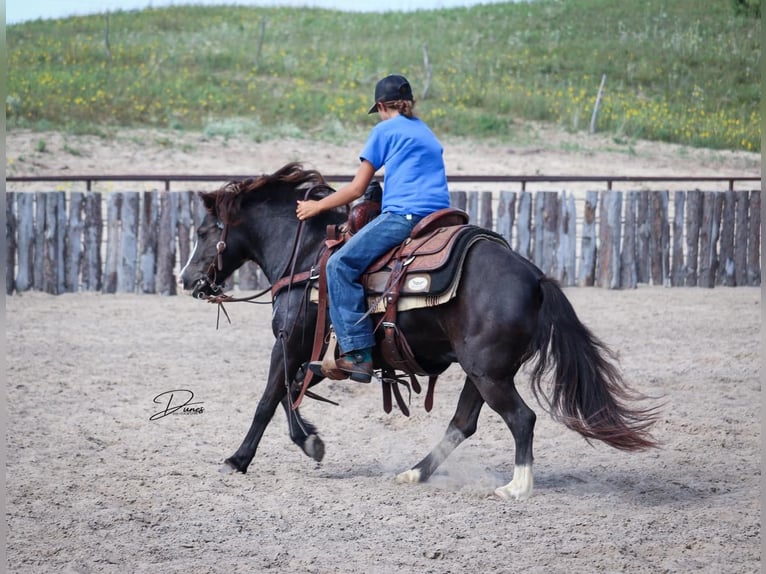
(389, 89)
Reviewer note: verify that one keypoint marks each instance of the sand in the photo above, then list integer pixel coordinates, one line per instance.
(95, 486)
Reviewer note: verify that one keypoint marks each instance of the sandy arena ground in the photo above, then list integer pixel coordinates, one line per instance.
(94, 485)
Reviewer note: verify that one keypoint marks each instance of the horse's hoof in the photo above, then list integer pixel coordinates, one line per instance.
(314, 447)
(227, 468)
(411, 476)
(521, 487)
(507, 493)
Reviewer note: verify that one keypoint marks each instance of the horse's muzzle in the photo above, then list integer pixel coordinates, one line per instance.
(203, 289)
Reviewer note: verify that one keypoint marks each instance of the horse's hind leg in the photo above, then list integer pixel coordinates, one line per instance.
(506, 401)
(462, 426)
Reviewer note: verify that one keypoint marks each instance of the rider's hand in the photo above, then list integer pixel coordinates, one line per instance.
(307, 209)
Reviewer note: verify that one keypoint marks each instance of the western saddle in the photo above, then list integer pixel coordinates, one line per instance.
(423, 271)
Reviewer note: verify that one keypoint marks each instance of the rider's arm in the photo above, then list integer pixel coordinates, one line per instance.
(345, 195)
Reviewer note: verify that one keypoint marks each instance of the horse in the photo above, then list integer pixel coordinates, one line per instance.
(506, 313)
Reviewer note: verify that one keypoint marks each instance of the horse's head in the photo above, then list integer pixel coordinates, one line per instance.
(218, 251)
(255, 220)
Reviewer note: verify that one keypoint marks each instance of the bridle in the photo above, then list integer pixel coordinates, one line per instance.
(210, 279)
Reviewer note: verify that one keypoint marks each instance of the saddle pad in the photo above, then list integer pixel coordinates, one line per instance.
(429, 279)
(404, 303)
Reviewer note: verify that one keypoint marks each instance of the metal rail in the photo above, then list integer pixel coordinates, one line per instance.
(523, 179)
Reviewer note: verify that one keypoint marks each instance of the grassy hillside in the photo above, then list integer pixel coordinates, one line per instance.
(684, 71)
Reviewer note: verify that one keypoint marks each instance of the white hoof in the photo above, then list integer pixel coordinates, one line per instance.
(409, 476)
(520, 488)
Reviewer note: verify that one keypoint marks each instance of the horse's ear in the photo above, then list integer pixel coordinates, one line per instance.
(208, 200)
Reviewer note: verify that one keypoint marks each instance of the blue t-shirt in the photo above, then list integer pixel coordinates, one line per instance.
(415, 180)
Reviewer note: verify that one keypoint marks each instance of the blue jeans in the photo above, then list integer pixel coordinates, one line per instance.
(344, 269)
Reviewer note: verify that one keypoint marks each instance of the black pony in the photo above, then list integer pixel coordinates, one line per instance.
(506, 313)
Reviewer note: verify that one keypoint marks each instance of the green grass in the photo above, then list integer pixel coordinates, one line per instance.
(685, 71)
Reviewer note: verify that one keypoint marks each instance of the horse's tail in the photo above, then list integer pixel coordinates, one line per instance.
(588, 394)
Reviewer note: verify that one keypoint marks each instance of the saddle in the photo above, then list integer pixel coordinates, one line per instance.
(423, 271)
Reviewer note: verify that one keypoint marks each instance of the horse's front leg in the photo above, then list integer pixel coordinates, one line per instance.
(274, 393)
(303, 433)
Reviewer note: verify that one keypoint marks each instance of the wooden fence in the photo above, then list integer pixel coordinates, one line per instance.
(135, 242)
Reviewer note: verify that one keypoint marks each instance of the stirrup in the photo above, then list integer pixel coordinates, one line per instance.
(326, 367)
(319, 369)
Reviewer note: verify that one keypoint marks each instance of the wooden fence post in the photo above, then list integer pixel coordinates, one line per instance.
(725, 273)
(126, 270)
(10, 242)
(741, 230)
(458, 199)
(25, 240)
(473, 208)
(506, 215)
(61, 225)
(659, 238)
(485, 210)
(199, 211)
(92, 276)
(608, 264)
(545, 226)
(47, 248)
(550, 225)
(588, 241)
(678, 268)
(39, 235)
(754, 240)
(643, 239)
(524, 227)
(711, 219)
(566, 258)
(166, 245)
(53, 261)
(113, 211)
(147, 266)
(74, 249)
(538, 230)
(628, 267)
(184, 224)
(693, 217)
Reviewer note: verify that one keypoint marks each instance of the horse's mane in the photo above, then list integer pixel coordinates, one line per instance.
(228, 200)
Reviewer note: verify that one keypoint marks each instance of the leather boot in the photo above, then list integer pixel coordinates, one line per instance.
(352, 365)
(358, 368)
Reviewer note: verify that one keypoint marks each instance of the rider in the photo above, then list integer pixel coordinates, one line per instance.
(415, 185)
